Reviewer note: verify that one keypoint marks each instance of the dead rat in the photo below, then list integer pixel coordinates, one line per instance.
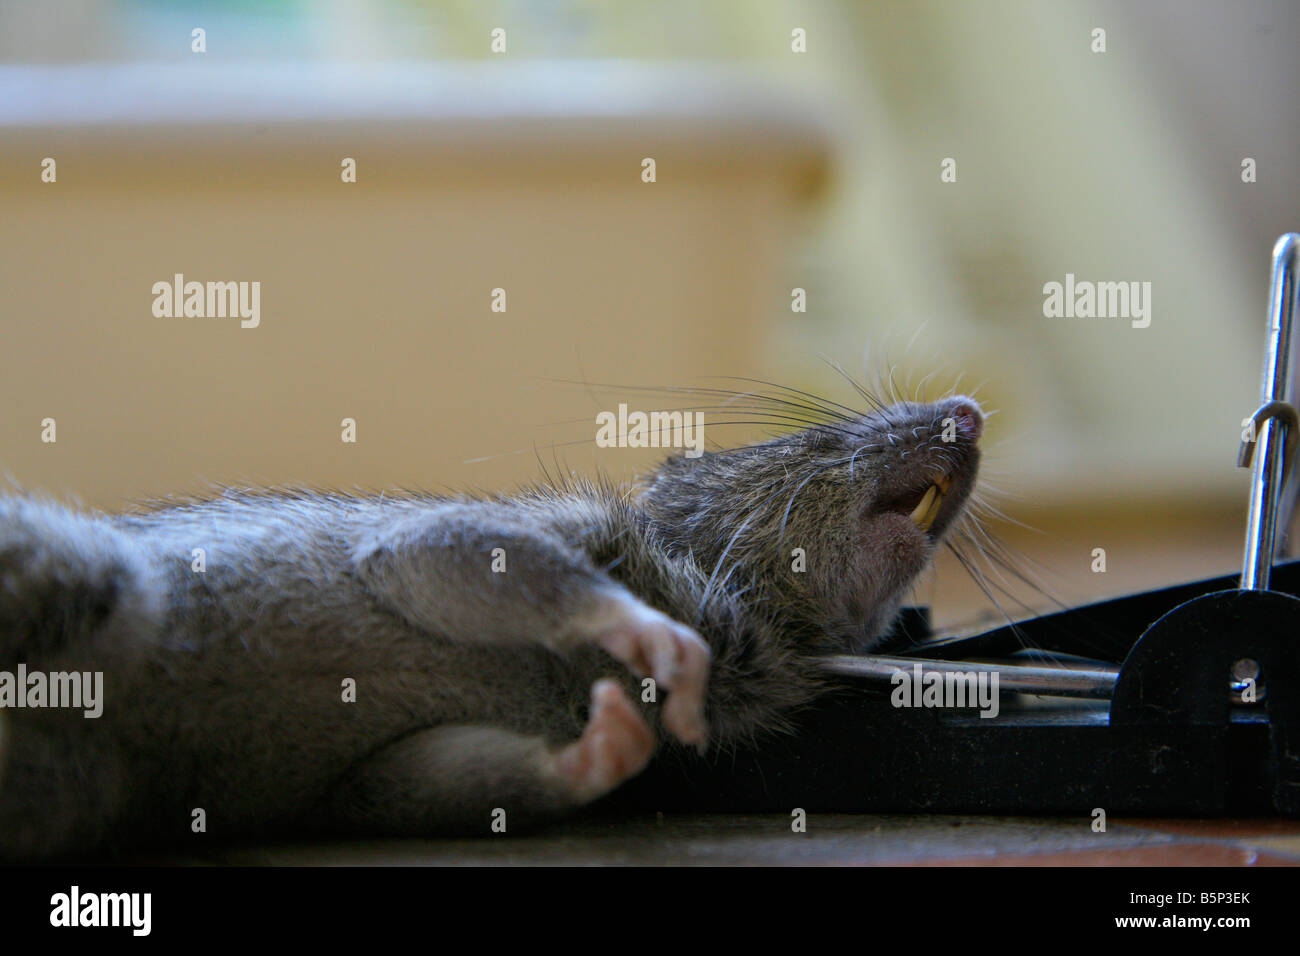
(424, 664)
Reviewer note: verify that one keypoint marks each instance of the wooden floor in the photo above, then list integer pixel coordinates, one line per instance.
(853, 840)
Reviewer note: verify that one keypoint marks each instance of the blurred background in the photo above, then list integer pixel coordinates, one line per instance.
(797, 145)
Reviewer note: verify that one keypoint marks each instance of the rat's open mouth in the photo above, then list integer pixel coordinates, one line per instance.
(924, 504)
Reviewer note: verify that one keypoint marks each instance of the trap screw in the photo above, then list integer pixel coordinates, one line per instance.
(1245, 676)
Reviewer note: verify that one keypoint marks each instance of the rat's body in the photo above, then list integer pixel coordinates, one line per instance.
(479, 673)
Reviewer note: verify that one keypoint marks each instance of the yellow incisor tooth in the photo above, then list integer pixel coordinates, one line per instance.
(944, 482)
(923, 513)
(934, 510)
(928, 510)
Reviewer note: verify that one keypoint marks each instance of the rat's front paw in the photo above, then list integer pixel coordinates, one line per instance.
(652, 644)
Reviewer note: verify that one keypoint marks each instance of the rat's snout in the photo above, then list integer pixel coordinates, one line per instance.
(931, 478)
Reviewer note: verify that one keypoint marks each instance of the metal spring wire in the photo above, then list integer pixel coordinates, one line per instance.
(1276, 426)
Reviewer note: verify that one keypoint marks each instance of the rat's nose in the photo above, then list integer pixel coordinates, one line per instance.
(970, 420)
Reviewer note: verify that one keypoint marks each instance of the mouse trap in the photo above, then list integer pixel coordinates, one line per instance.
(1181, 700)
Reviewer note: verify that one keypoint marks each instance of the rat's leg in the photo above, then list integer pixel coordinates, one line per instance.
(476, 571)
(453, 779)
(63, 577)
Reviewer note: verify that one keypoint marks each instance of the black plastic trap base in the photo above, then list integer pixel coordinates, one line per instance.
(1171, 740)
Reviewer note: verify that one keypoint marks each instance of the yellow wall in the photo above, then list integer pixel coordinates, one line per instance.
(375, 296)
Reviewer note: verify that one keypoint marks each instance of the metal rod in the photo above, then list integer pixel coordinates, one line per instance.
(1043, 681)
(1270, 456)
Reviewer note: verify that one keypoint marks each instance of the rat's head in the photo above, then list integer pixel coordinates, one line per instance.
(832, 523)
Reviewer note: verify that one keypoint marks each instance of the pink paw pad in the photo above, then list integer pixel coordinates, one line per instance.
(615, 746)
(653, 644)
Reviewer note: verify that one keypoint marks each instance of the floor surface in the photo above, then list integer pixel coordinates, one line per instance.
(832, 839)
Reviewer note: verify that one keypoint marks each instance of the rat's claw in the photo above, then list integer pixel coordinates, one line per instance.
(652, 644)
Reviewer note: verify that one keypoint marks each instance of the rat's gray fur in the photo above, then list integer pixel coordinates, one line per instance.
(223, 688)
